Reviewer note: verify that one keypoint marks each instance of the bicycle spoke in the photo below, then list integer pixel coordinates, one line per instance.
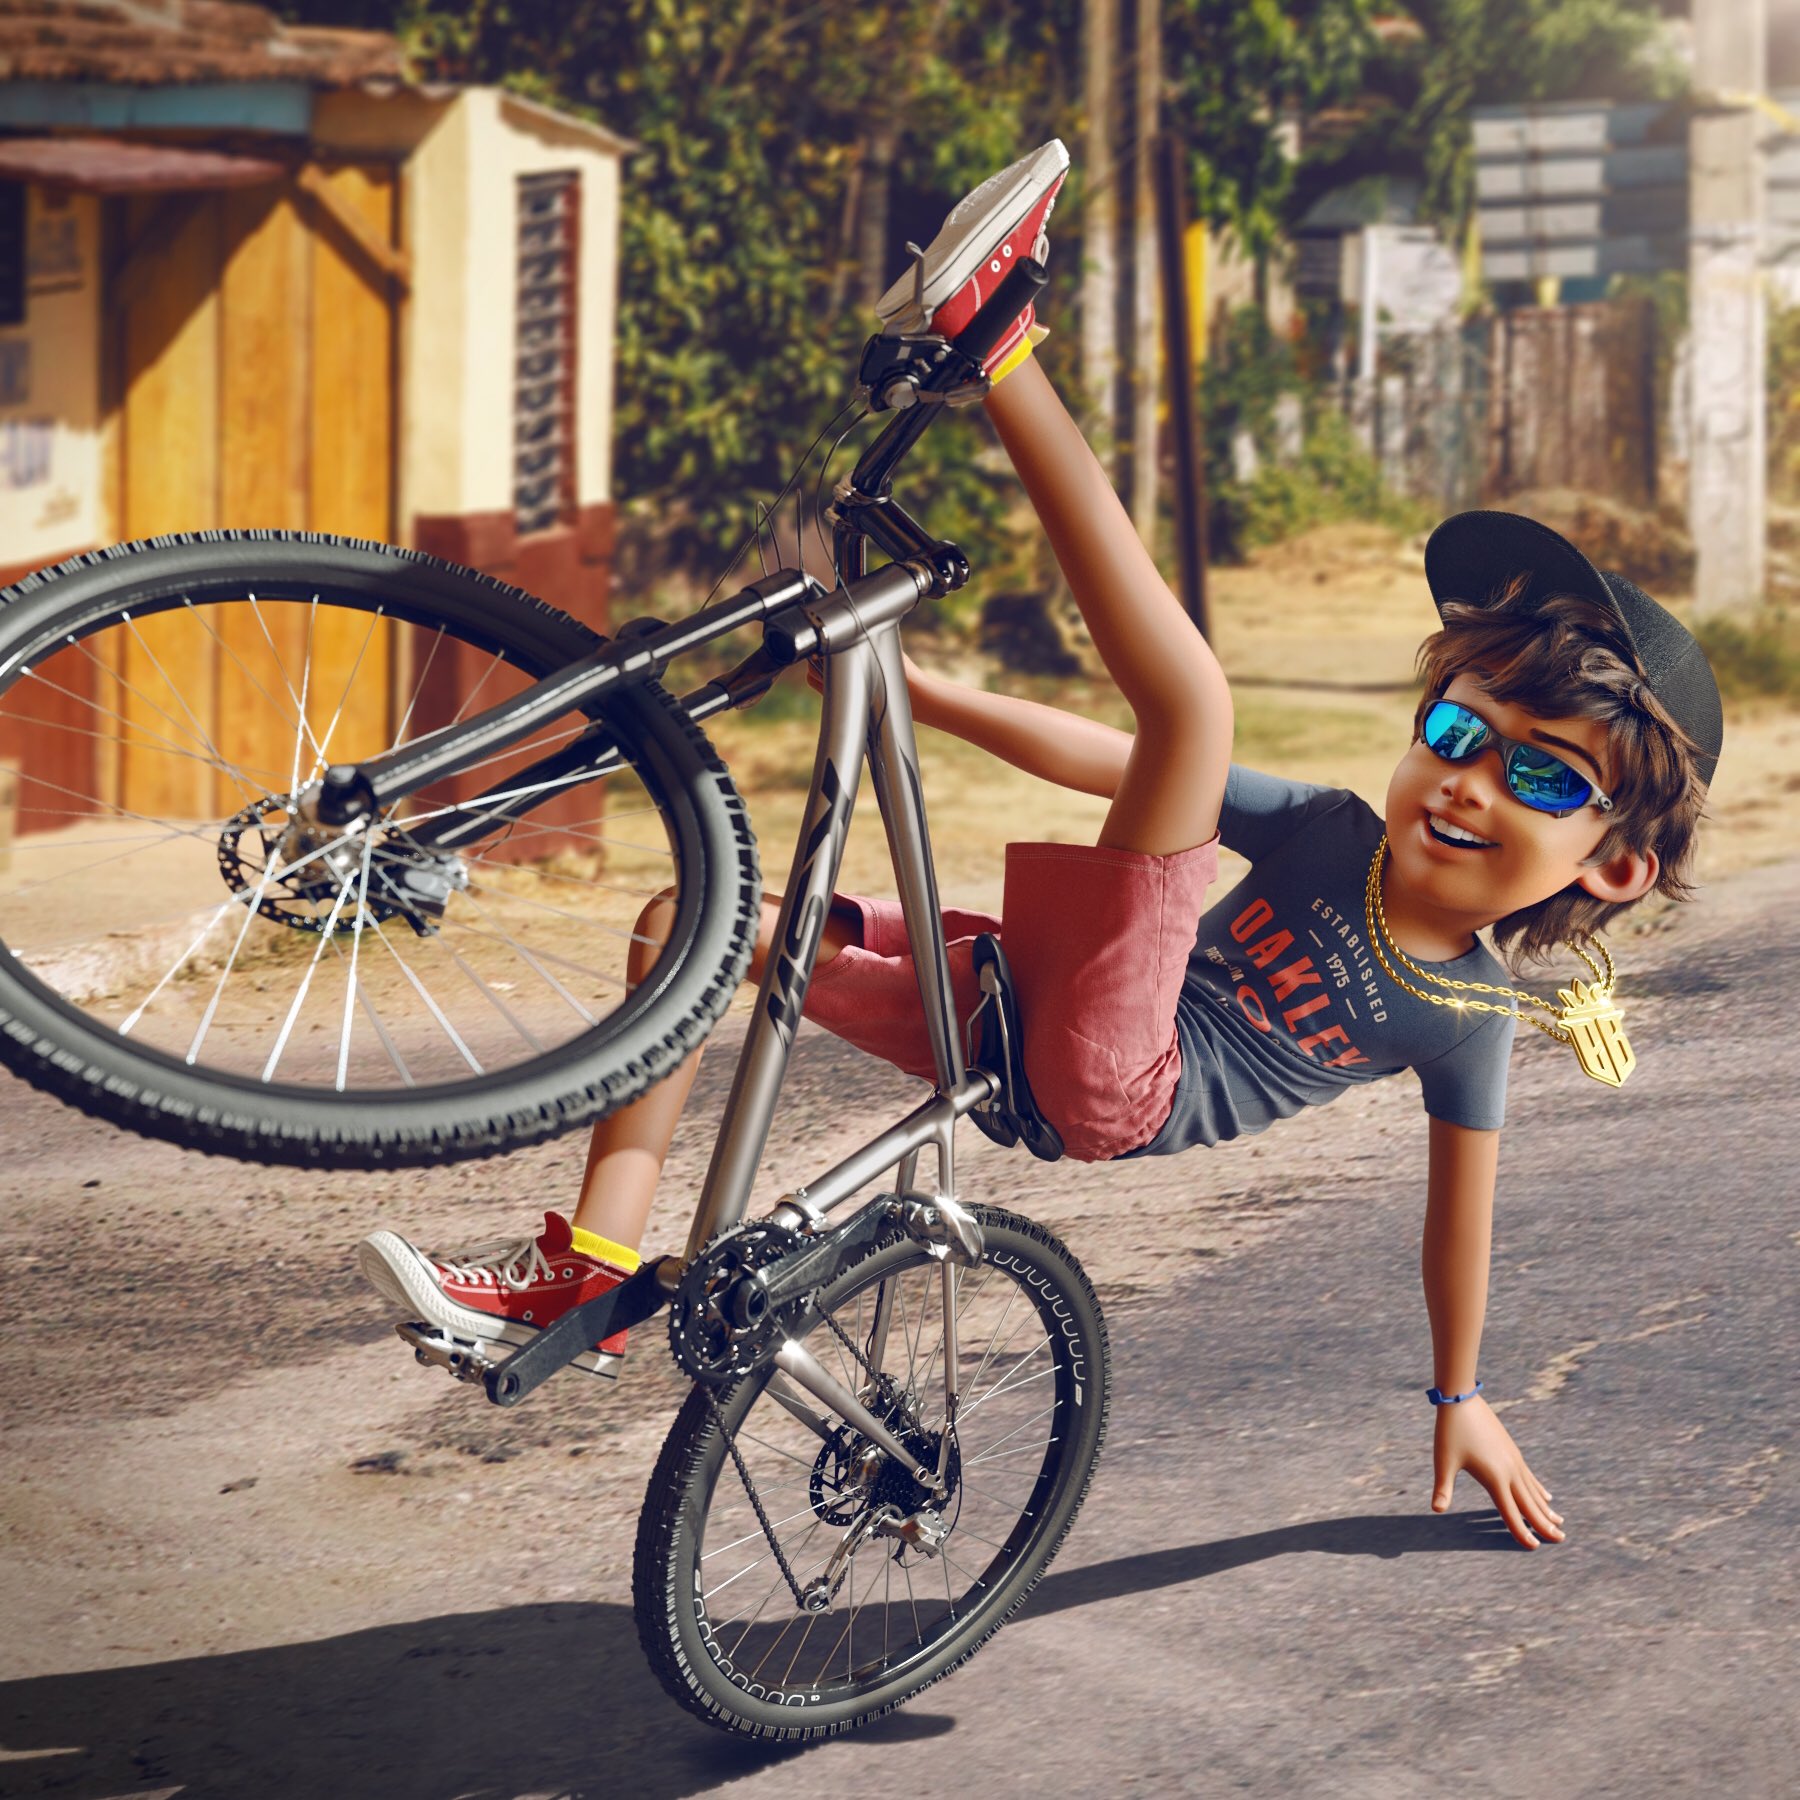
(324, 758)
(562, 962)
(350, 979)
(303, 732)
(155, 738)
(432, 1006)
(532, 963)
(287, 1025)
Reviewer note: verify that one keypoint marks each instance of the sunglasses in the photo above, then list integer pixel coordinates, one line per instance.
(1534, 777)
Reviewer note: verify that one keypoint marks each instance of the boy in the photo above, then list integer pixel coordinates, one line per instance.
(1560, 758)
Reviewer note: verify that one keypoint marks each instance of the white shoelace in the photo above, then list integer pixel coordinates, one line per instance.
(517, 1265)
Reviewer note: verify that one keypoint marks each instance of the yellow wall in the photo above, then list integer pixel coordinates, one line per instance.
(51, 497)
(464, 156)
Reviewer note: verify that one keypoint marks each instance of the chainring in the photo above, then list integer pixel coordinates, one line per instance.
(714, 1332)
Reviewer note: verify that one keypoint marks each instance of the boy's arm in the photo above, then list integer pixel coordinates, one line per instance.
(1042, 740)
(1459, 1221)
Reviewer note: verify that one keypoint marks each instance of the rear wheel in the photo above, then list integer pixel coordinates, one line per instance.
(181, 953)
(904, 1585)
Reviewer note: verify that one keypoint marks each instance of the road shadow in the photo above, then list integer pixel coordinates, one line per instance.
(552, 1699)
(1374, 1534)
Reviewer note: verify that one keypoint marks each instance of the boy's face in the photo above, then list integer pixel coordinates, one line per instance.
(1523, 856)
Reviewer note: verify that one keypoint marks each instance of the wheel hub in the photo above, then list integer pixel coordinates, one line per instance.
(315, 866)
(851, 1474)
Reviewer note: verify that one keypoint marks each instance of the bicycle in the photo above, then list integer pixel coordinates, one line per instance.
(920, 1390)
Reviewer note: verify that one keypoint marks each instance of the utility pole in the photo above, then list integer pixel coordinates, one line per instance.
(1179, 359)
(1100, 268)
(1727, 510)
(1145, 339)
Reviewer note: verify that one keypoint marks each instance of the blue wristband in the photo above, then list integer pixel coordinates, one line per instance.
(1438, 1397)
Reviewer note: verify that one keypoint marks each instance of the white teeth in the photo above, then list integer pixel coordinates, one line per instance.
(1456, 834)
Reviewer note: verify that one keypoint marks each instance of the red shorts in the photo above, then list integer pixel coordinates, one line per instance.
(1098, 941)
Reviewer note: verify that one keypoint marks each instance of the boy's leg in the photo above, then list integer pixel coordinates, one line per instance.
(1174, 783)
(507, 1292)
(1099, 935)
(626, 1151)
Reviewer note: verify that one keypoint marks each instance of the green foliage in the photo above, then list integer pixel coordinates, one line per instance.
(764, 133)
(1470, 53)
(1784, 401)
(1234, 69)
(748, 253)
(1755, 660)
(786, 149)
(1334, 478)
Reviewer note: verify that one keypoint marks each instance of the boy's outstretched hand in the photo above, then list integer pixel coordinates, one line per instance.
(1471, 1437)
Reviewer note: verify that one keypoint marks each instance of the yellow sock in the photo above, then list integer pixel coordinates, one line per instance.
(1034, 335)
(591, 1243)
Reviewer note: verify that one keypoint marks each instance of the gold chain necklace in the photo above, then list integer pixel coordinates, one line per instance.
(1588, 1020)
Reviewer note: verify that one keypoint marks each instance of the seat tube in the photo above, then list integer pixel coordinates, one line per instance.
(894, 768)
(750, 1108)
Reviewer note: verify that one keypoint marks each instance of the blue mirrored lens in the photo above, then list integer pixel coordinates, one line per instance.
(1545, 781)
(1454, 732)
(1535, 778)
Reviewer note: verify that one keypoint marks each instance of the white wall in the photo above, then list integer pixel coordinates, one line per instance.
(51, 500)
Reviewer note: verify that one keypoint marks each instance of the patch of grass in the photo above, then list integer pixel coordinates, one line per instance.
(1273, 733)
(1757, 660)
(1334, 479)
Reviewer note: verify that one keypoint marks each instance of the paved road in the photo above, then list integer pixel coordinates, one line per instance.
(1255, 1600)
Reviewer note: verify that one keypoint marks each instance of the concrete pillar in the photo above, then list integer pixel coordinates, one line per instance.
(1726, 498)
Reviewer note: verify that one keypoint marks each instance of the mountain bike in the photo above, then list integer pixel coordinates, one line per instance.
(255, 912)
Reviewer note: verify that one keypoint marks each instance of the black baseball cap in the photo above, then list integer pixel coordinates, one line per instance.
(1474, 556)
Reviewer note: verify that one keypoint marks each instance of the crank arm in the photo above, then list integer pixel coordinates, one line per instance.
(637, 1298)
(811, 1268)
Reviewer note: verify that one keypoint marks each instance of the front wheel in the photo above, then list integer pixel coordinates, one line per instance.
(793, 1581)
(183, 953)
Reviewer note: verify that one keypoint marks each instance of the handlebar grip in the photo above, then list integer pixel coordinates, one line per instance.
(1009, 299)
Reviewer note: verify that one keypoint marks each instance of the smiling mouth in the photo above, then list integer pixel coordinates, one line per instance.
(1455, 836)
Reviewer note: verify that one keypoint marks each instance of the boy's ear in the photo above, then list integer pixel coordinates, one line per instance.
(1623, 878)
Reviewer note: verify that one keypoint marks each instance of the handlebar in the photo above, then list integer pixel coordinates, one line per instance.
(937, 368)
(1003, 306)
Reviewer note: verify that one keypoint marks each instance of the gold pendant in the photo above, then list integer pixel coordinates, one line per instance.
(1596, 1028)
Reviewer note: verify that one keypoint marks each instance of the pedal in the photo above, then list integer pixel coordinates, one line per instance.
(437, 1349)
(471, 1360)
(1012, 1115)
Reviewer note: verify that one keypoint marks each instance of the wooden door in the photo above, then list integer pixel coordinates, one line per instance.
(256, 348)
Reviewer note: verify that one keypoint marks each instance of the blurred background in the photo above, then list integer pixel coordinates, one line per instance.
(565, 290)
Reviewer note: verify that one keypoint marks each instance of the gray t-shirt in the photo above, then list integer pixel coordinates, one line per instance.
(1284, 1004)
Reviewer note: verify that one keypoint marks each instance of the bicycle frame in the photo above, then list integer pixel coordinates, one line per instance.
(854, 634)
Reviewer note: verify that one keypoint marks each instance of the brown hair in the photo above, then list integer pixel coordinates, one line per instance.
(1569, 658)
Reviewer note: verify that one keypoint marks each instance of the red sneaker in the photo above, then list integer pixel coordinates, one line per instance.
(1003, 219)
(504, 1293)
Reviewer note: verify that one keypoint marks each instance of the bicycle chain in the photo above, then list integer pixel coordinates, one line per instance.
(762, 1518)
(756, 1505)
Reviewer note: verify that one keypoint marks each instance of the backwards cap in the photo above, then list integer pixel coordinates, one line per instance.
(1475, 556)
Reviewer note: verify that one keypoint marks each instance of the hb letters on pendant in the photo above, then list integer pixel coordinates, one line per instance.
(1596, 1028)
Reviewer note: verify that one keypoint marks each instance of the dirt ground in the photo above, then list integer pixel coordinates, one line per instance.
(212, 1444)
